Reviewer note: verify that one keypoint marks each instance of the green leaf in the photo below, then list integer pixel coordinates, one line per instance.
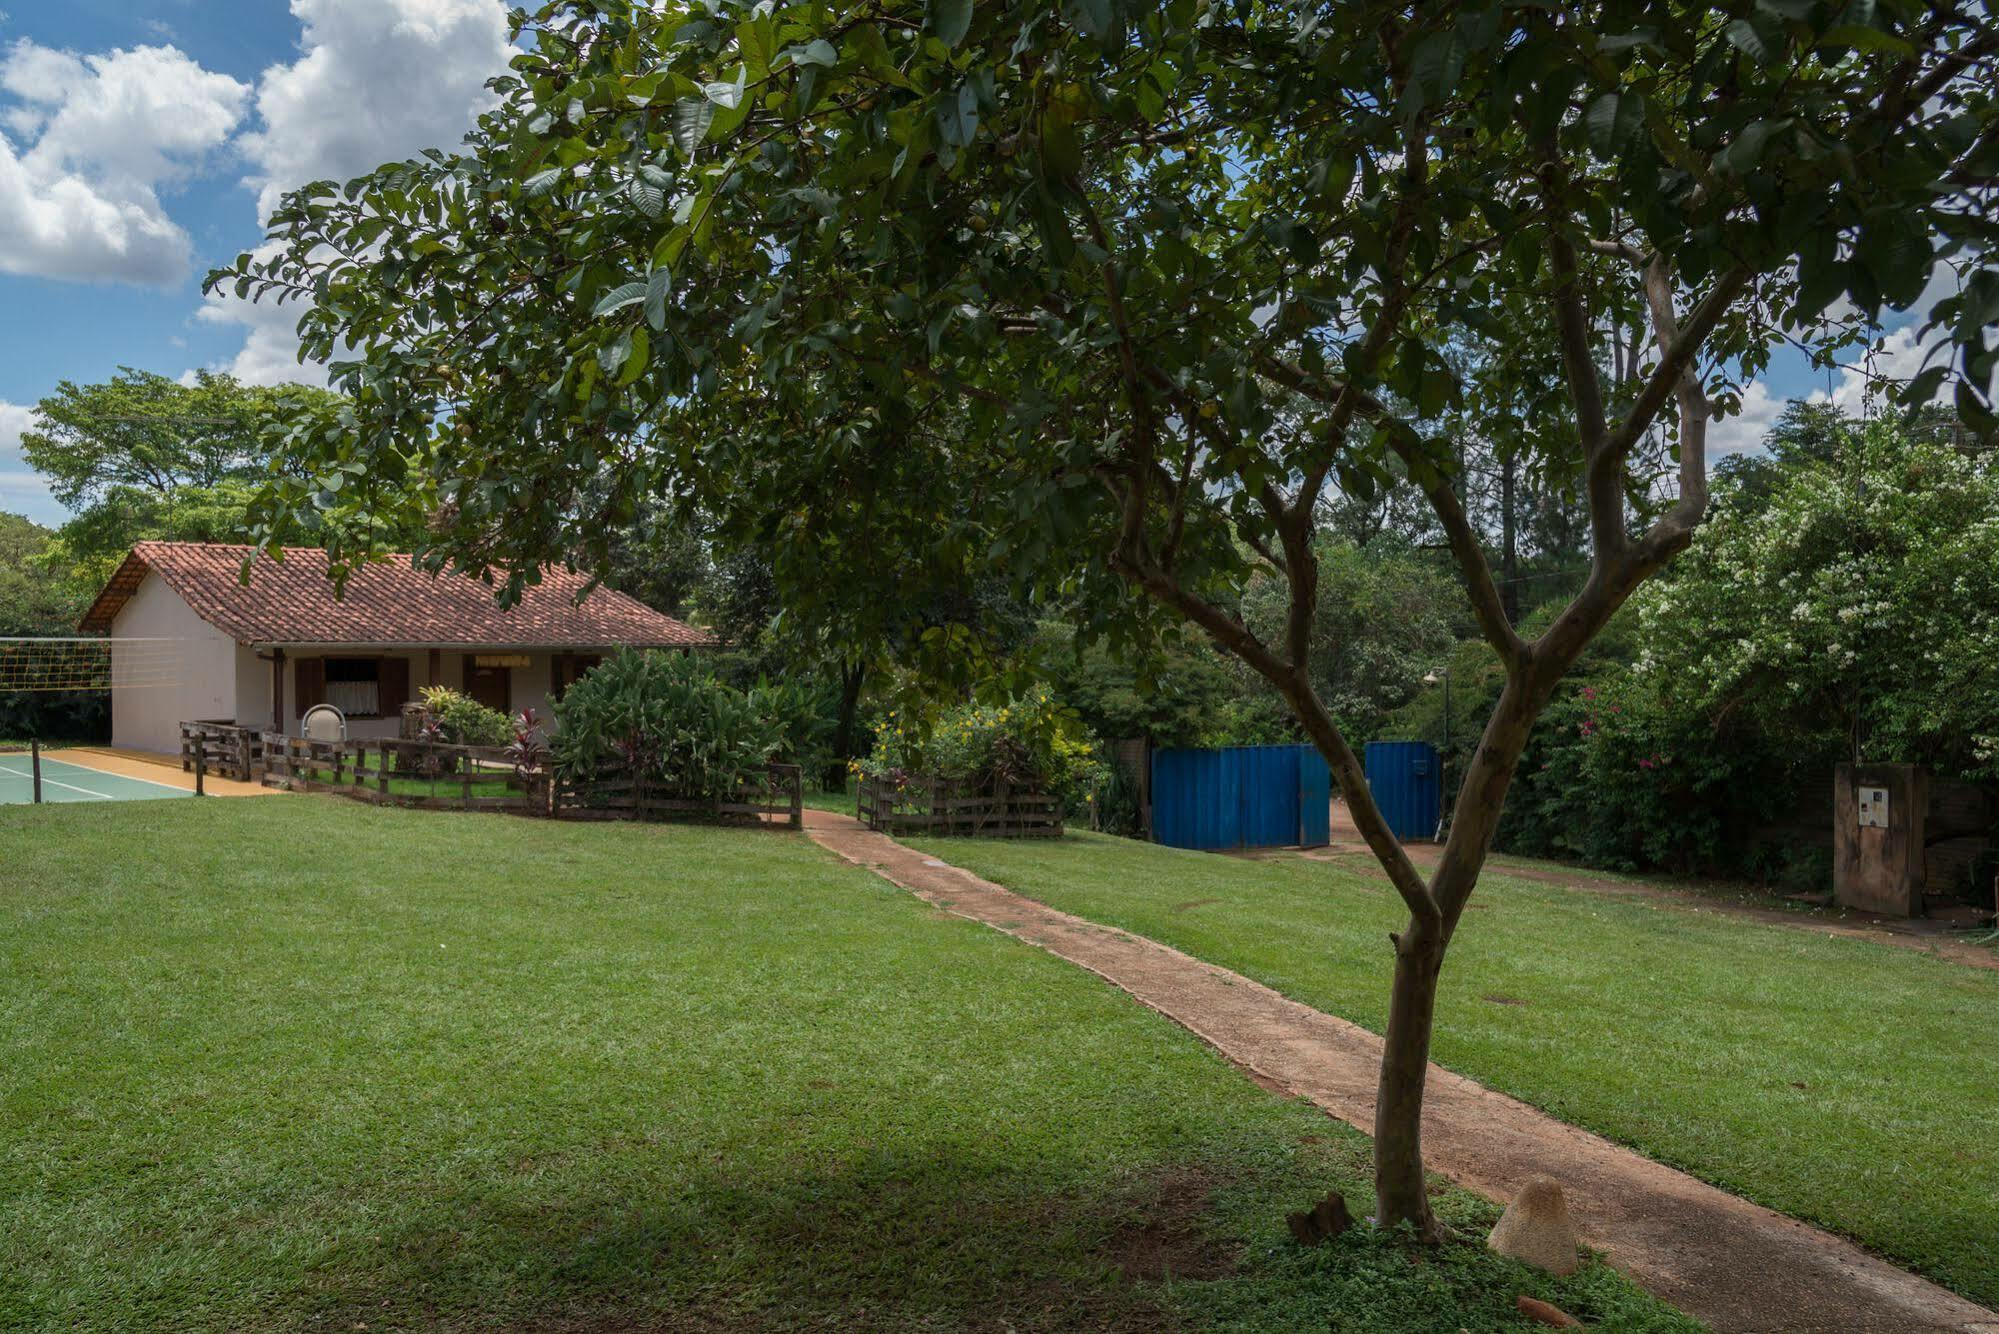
(612, 356)
(541, 183)
(657, 286)
(648, 198)
(949, 20)
(1095, 19)
(635, 358)
(626, 294)
(728, 96)
(1745, 151)
(1613, 121)
(958, 117)
(818, 51)
(1061, 144)
(691, 118)
(1435, 68)
(1744, 37)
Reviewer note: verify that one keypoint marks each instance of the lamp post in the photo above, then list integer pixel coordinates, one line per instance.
(1443, 675)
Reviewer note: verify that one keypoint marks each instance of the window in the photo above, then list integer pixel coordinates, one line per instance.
(358, 687)
(354, 686)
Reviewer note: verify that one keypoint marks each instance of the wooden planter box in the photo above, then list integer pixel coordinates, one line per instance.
(926, 804)
(777, 799)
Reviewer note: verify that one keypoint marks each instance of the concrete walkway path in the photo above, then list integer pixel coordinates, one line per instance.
(1734, 1264)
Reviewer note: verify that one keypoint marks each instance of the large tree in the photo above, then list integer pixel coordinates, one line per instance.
(1137, 284)
(142, 456)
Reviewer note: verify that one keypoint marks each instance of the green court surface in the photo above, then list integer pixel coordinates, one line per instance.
(72, 782)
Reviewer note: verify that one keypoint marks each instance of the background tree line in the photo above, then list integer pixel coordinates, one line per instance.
(1840, 604)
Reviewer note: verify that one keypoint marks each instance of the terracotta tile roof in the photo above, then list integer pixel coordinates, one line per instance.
(388, 603)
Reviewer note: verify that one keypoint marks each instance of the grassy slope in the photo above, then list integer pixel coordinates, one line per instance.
(299, 1062)
(1838, 1081)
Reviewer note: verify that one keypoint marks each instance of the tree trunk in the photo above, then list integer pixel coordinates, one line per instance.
(1509, 551)
(1400, 1193)
(1399, 1190)
(852, 677)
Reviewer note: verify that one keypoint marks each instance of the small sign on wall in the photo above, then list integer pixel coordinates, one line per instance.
(1873, 807)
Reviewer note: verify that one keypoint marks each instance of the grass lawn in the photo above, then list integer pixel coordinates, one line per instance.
(1846, 1083)
(305, 1063)
(846, 803)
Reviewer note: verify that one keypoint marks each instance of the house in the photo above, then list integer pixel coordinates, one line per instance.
(192, 641)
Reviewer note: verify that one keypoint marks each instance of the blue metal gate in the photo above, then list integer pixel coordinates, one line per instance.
(1241, 797)
(1407, 782)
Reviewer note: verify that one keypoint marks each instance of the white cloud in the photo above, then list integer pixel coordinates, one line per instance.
(269, 354)
(94, 137)
(1895, 356)
(22, 490)
(1745, 430)
(376, 80)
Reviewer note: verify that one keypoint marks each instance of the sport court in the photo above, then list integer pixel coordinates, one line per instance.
(66, 780)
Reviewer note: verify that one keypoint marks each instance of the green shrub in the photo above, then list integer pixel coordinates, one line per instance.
(1028, 742)
(464, 721)
(666, 719)
(807, 715)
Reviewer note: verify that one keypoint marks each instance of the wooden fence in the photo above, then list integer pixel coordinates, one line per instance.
(420, 774)
(951, 806)
(223, 749)
(433, 776)
(776, 798)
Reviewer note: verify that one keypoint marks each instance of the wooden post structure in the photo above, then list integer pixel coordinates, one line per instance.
(200, 770)
(278, 691)
(35, 765)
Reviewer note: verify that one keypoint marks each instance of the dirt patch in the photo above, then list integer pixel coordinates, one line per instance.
(1168, 1237)
(1734, 1264)
(1192, 904)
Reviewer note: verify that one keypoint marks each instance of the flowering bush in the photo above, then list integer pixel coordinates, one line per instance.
(464, 721)
(1029, 742)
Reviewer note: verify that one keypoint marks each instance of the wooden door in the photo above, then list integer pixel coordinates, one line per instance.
(491, 686)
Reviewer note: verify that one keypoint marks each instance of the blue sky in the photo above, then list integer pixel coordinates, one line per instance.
(142, 141)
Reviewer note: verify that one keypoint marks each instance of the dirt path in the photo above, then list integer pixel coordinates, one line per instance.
(1736, 1265)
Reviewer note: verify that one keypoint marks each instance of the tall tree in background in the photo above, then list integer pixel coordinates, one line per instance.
(31, 603)
(1135, 284)
(142, 456)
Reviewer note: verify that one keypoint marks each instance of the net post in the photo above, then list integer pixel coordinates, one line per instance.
(35, 764)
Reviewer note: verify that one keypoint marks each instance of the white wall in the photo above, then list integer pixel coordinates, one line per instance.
(157, 686)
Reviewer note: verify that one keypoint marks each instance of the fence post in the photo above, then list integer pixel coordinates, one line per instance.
(35, 764)
(200, 770)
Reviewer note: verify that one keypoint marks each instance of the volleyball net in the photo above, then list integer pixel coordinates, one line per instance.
(54, 665)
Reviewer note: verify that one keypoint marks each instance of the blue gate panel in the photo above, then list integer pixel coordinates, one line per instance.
(1315, 799)
(1406, 780)
(1240, 797)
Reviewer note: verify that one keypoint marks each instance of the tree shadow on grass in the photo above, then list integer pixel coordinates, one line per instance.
(885, 1243)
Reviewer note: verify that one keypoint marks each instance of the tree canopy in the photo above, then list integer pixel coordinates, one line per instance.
(1107, 296)
(142, 456)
